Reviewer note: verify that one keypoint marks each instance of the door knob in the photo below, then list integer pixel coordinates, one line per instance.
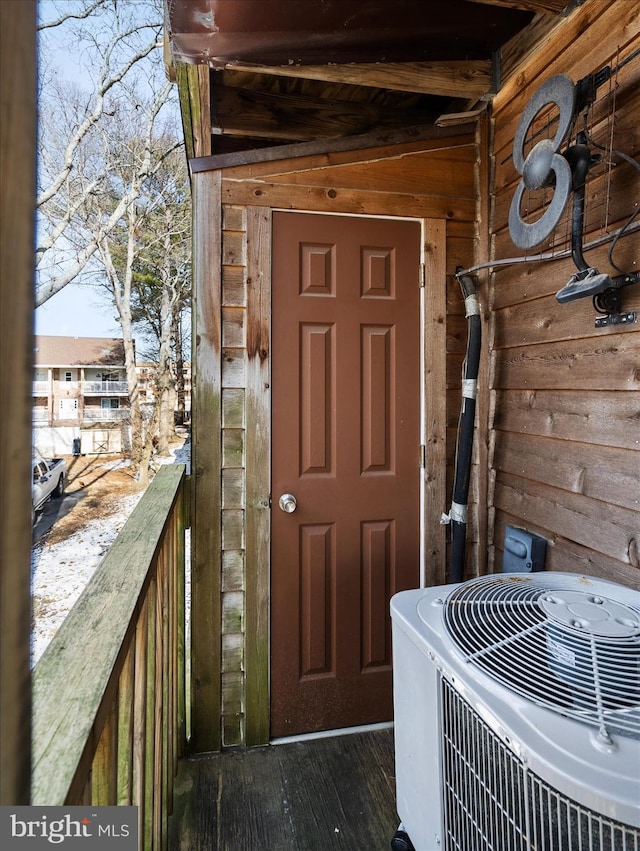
(288, 503)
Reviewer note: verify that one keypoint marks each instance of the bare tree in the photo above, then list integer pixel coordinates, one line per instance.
(137, 162)
(74, 160)
(83, 11)
(162, 284)
(104, 180)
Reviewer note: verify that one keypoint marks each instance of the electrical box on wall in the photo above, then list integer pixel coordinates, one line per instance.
(524, 552)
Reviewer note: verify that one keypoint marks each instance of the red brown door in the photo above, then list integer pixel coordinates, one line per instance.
(346, 411)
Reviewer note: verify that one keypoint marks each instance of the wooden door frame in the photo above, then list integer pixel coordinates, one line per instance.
(258, 442)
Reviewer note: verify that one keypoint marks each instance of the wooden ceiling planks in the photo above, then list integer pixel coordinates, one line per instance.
(426, 59)
(293, 115)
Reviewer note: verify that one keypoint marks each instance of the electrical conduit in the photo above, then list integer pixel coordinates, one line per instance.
(457, 516)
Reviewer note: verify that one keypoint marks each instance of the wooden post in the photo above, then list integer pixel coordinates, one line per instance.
(258, 443)
(435, 390)
(18, 180)
(206, 466)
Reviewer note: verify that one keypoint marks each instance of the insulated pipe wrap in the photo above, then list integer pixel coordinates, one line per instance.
(466, 426)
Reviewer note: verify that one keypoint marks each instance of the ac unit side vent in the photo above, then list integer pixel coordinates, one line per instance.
(491, 801)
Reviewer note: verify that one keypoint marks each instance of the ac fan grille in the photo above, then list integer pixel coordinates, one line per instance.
(502, 625)
(492, 802)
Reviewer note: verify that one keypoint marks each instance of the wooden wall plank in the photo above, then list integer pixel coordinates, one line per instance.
(206, 464)
(450, 146)
(234, 479)
(568, 556)
(434, 173)
(566, 464)
(233, 332)
(603, 417)
(413, 138)
(563, 45)
(346, 201)
(604, 528)
(523, 282)
(565, 402)
(545, 321)
(258, 439)
(612, 364)
(480, 479)
(435, 312)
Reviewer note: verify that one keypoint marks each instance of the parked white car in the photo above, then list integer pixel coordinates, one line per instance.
(48, 479)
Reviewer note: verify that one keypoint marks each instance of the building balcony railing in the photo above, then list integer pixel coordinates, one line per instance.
(106, 414)
(102, 388)
(109, 698)
(39, 415)
(40, 388)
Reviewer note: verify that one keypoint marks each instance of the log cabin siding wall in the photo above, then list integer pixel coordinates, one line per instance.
(432, 181)
(565, 433)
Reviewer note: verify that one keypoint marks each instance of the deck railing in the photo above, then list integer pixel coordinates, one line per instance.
(103, 387)
(105, 414)
(109, 720)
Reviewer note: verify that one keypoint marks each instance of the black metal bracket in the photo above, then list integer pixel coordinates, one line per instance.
(616, 319)
(609, 302)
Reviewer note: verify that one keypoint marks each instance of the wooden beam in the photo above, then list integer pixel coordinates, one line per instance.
(357, 202)
(405, 135)
(18, 180)
(466, 79)
(184, 98)
(435, 382)
(551, 7)
(206, 531)
(258, 114)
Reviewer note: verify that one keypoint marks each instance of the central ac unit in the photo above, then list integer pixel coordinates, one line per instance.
(517, 714)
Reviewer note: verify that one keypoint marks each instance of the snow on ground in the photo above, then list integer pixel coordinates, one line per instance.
(60, 571)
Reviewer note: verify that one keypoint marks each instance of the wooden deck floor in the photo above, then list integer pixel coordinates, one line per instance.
(315, 795)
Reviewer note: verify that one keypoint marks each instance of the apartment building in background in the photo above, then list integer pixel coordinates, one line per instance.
(80, 396)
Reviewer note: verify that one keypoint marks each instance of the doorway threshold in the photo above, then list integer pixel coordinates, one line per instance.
(325, 734)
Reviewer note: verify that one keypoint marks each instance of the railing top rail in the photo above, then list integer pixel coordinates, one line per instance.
(79, 670)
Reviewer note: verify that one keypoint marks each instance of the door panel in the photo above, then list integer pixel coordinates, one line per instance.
(345, 430)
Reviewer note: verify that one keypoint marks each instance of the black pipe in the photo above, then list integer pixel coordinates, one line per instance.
(466, 425)
(579, 158)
